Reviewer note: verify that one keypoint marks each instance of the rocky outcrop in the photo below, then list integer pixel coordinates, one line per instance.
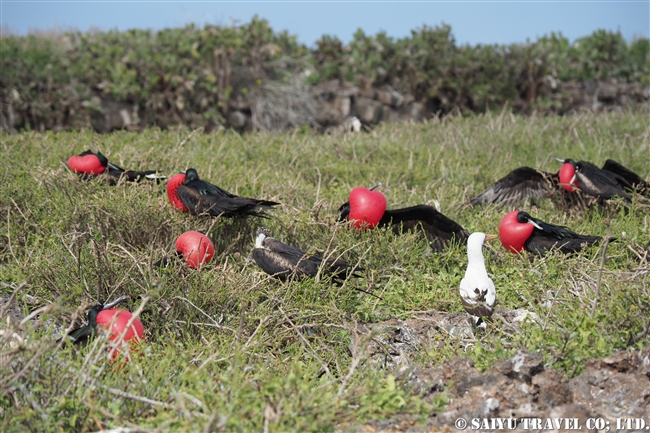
(325, 107)
(521, 394)
(602, 96)
(520, 390)
(335, 102)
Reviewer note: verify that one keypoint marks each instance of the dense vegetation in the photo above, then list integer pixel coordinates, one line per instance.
(190, 75)
(230, 349)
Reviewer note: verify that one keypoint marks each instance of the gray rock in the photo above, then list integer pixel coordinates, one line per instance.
(237, 119)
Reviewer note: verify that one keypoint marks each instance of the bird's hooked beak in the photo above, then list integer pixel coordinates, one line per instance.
(490, 237)
(572, 182)
(537, 226)
(375, 186)
(182, 172)
(560, 160)
(115, 302)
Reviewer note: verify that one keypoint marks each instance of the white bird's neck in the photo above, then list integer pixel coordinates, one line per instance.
(259, 240)
(476, 263)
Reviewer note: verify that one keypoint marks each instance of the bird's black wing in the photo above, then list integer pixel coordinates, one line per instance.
(344, 212)
(600, 183)
(519, 184)
(634, 180)
(219, 205)
(280, 259)
(554, 236)
(207, 188)
(80, 336)
(439, 229)
(540, 243)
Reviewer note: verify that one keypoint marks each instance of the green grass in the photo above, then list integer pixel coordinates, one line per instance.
(229, 349)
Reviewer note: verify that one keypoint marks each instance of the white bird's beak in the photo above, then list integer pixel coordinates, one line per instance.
(490, 237)
(375, 186)
(535, 225)
(572, 182)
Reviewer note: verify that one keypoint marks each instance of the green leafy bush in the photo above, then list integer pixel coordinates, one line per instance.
(190, 75)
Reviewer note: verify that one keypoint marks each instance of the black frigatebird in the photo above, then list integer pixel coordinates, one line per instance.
(613, 180)
(190, 194)
(519, 231)
(438, 229)
(89, 165)
(80, 336)
(529, 183)
(281, 260)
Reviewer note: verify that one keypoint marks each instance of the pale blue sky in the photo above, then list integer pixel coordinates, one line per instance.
(472, 22)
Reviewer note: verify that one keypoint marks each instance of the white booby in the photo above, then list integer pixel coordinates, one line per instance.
(477, 290)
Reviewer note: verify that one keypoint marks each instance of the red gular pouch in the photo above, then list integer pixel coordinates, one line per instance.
(172, 191)
(87, 164)
(513, 234)
(115, 320)
(197, 248)
(366, 207)
(566, 174)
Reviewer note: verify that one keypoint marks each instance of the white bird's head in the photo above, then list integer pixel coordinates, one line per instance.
(477, 239)
(475, 249)
(261, 234)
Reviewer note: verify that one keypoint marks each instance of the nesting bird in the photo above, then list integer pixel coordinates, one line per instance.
(613, 179)
(281, 260)
(89, 165)
(188, 193)
(439, 230)
(80, 336)
(518, 231)
(477, 290)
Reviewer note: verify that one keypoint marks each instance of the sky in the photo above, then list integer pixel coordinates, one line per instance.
(472, 22)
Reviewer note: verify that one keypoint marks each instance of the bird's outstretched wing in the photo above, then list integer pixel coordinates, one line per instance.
(519, 184)
(634, 180)
(439, 229)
